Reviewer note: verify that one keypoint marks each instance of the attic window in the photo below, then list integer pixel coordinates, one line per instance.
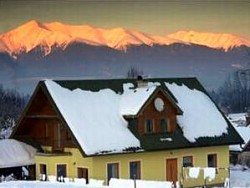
(164, 125)
(149, 126)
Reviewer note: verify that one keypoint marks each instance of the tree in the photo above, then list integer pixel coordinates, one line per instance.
(133, 72)
(12, 104)
(234, 94)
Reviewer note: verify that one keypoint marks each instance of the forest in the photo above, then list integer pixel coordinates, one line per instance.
(234, 95)
(11, 105)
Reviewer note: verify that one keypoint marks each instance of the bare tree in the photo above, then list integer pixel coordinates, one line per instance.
(234, 94)
(133, 72)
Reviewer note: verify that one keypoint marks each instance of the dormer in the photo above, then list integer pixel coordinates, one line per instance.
(158, 115)
(150, 109)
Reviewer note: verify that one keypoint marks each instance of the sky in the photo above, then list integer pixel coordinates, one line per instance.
(159, 17)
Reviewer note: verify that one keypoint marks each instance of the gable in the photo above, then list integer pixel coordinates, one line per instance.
(149, 111)
(41, 105)
(167, 100)
(37, 125)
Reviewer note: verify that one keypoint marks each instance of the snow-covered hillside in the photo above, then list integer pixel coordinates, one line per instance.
(46, 35)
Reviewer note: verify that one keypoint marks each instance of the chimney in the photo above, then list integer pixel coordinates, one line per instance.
(140, 82)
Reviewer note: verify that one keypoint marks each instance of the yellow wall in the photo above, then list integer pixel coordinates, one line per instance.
(153, 164)
(72, 161)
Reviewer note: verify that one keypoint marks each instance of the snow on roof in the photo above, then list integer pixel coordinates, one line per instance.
(237, 119)
(237, 116)
(14, 153)
(245, 134)
(133, 99)
(201, 117)
(94, 118)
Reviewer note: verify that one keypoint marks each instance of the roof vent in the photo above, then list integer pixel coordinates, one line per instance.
(141, 82)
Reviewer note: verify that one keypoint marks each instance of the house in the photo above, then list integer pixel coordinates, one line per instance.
(154, 129)
(240, 121)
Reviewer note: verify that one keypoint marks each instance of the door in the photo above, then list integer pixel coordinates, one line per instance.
(83, 173)
(171, 170)
(113, 170)
(61, 170)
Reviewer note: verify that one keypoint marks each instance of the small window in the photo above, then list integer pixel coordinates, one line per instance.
(187, 161)
(212, 160)
(135, 170)
(149, 126)
(164, 125)
(61, 170)
(113, 170)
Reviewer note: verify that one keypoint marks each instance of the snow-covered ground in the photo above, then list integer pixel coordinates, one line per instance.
(239, 178)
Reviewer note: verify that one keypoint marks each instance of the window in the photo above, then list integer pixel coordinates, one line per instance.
(149, 126)
(113, 170)
(61, 170)
(57, 144)
(135, 170)
(212, 160)
(58, 135)
(83, 173)
(47, 132)
(187, 161)
(164, 125)
(43, 169)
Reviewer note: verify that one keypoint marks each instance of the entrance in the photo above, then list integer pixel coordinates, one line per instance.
(171, 170)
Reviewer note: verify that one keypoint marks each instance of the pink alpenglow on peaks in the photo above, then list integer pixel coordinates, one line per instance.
(223, 41)
(46, 35)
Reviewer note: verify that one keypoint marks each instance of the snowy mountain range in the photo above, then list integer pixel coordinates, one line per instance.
(39, 50)
(34, 34)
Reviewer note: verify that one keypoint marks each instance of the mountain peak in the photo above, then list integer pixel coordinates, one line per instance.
(224, 41)
(45, 35)
(30, 25)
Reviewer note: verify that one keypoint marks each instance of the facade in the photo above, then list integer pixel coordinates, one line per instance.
(151, 130)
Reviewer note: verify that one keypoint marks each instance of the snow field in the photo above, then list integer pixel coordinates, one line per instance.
(239, 178)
